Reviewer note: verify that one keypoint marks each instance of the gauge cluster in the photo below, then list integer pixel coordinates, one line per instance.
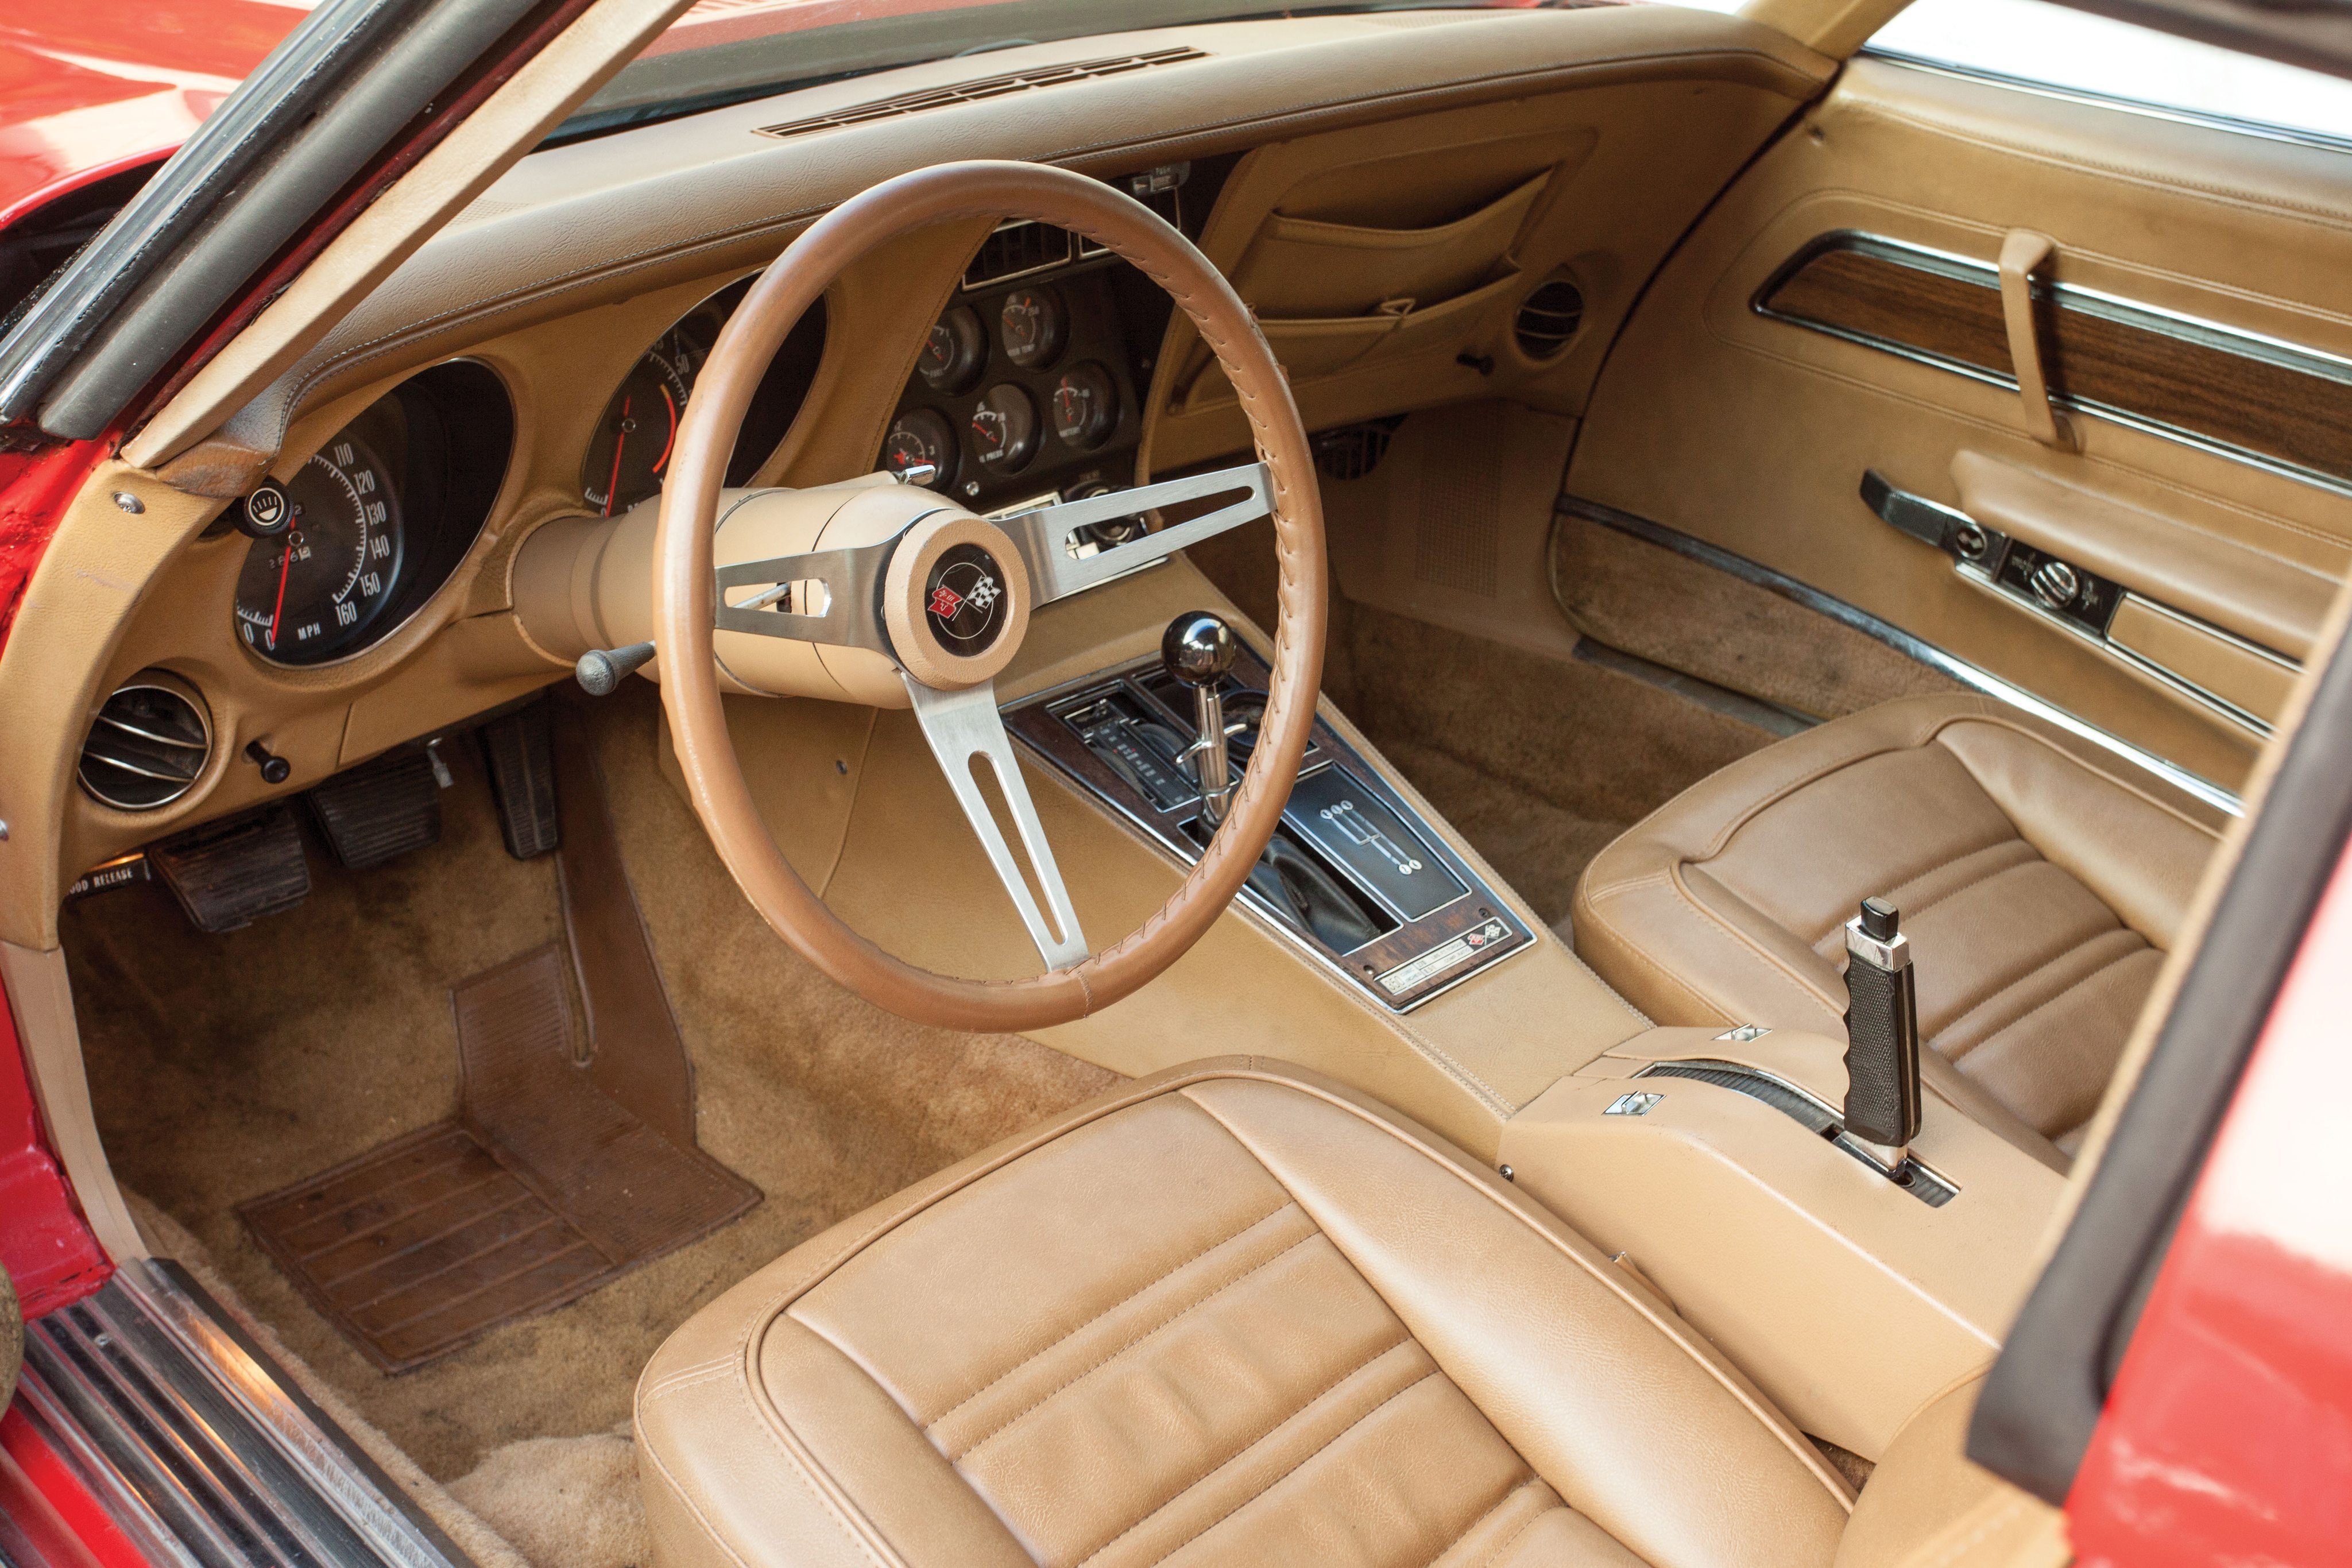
(354, 542)
(1030, 386)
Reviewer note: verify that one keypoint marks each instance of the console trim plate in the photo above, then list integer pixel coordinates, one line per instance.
(1396, 970)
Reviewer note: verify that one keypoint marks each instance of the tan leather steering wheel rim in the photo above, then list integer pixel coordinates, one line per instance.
(685, 592)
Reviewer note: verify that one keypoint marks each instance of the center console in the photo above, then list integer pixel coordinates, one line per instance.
(1355, 876)
(1718, 1166)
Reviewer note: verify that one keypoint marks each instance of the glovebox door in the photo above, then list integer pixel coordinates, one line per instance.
(1825, 380)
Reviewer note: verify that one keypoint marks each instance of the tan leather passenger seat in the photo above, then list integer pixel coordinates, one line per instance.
(1233, 1315)
(2040, 880)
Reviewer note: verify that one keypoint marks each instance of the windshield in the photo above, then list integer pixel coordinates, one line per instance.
(729, 51)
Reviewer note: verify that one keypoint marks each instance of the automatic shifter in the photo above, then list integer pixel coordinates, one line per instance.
(1199, 649)
(1881, 1028)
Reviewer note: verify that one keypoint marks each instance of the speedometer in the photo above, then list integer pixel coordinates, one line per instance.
(312, 594)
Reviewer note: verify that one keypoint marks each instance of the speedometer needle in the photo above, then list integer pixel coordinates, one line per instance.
(620, 439)
(285, 570)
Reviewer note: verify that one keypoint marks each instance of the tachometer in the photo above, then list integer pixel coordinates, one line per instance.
(309, 595)
(629, 453)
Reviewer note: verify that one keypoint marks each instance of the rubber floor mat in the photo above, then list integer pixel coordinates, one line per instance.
(541, 1190)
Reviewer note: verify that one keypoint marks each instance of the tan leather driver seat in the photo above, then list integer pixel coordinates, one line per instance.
(2040, 880)
(1230, 1315)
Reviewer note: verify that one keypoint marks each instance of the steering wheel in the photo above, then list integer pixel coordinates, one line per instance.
(946, 596)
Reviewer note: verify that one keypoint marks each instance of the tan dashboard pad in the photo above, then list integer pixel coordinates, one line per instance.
(684, 588)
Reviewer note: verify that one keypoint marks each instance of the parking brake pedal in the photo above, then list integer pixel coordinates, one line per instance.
(1882, 1028)
(229, 874)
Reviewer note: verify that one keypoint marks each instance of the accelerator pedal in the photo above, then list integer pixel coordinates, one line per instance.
(521, 761)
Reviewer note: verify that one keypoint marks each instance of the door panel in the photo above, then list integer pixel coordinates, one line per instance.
(1840, 311)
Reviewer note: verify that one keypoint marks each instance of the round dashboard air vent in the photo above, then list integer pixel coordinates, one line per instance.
(1549, 320)
(147, 746)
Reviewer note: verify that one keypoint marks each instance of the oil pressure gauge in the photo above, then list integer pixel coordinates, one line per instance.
(1004, 427)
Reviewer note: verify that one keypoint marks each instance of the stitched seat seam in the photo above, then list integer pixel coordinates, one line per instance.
(1464, 1533)
(1304, 1461)
(1496, 1555)
(1244, 1451)
(2047, 1001)
(1150, 1334)
(1914, 911)
(1144, 1289)
(2050, 1001)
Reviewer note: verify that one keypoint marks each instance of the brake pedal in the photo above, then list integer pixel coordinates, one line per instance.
(385, 808)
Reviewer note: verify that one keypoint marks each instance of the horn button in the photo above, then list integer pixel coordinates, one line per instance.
(955, 600)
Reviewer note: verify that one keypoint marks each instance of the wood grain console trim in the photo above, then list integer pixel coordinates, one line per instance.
(2243, 395)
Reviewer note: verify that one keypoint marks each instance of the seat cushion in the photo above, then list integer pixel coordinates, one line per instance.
(2040, 880)
(1230, 1315)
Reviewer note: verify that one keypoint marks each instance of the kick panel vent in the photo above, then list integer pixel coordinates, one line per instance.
(975, 91)
(147, 746)
(1549, 320)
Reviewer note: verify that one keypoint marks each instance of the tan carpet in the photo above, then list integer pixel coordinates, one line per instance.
(564, 1502)
(227, 1067)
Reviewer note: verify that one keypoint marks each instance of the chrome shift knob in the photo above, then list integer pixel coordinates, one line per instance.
(1199, 649)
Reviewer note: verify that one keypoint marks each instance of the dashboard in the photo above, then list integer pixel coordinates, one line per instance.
(528, 369)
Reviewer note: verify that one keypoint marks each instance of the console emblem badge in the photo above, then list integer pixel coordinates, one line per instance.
(1634, 1104)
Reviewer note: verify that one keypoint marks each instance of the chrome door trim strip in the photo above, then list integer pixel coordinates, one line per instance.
(2256, 727)
(1903, 641)
(2089, 98)
(201, 1448)
(2176, 325)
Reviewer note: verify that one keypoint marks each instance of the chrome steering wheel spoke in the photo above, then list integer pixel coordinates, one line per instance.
(964, 725)
(1045, 536)
(825, 596)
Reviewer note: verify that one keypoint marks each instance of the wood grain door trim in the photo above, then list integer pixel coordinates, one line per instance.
(2239, 394)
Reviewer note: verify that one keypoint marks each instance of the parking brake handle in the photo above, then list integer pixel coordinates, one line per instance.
(1882, 1028)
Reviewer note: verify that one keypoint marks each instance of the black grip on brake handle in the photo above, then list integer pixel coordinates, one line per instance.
(1881, 1026)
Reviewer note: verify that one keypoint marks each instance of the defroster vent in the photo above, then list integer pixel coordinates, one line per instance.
(985, 87)
(149, 745)
(1549, 320)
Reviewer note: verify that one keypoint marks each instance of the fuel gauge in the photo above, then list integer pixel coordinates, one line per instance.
(1085, 405)
(954, 351)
